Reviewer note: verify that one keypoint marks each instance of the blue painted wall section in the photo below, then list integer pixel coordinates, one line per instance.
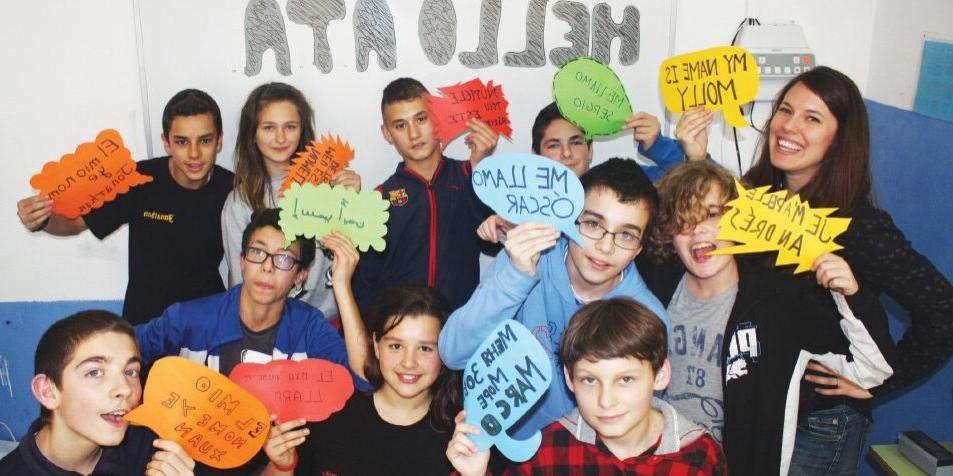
(21, 325)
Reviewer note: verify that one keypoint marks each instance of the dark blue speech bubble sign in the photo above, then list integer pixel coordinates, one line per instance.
(528, 187)
(507, 375)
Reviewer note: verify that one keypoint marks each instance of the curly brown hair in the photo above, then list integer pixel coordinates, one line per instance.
(681, 192)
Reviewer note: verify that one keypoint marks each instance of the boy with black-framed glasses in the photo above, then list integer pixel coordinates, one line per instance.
(543, 278)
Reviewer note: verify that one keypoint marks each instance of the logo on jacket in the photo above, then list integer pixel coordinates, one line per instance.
(743, 348)
(397, 197)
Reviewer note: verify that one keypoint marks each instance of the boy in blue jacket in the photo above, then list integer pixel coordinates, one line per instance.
(542, 279)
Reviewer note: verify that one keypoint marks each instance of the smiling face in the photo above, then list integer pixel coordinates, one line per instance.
(595, 269)
(800, 132)
(407, 126)
(409, 362)
(99, 385)
(192, 144)
(264, 284)
(566, 144)
(614, 396)
(694, 245)
(278, 134)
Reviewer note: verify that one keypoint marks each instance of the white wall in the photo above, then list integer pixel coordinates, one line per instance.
(71, 69)
(897, 45)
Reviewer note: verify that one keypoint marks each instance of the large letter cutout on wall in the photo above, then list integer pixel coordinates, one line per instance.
(577, 16)
(317, 14)
(374, 30)
(604, 30)
(485, 55)
(534, 55)
(264, 30)
(437, 27)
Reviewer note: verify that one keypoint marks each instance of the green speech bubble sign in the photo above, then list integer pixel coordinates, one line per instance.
(590, 95)
(316, 210)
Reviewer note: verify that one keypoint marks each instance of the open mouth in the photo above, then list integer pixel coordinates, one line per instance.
(408, 379)
(115, 417)
(597, 264)
(700, 251)
(789, 146)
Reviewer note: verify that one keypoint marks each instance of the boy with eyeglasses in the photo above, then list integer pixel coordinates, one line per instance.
(256, 321)
(543, 278)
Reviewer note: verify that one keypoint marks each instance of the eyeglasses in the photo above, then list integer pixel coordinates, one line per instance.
(623, 239)
(281, 261)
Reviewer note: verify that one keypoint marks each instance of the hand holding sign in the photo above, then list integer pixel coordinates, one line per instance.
(764, 221)
(212, 418)
(469, 100)
(527, 187)
(590, 95)
(720, 79)
(95, 174)
(312, 389)
(314, 211)
(319, 162)
(507, 375)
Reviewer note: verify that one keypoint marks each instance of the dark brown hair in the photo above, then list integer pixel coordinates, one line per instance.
(681, 192)
(628, 181)
(614, 328)
(406, 302)
(402, 89)
(271, 217)
(844, 174)
(190, 102)
(58, 344)
(544, 118)
(252, 182)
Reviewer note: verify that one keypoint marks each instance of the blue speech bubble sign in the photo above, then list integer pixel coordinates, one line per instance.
(529, 187)
(507, 375)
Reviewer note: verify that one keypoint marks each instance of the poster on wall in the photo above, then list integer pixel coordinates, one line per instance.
(935, 84)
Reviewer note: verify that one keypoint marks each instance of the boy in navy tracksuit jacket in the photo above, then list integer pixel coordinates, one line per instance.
(434, 213)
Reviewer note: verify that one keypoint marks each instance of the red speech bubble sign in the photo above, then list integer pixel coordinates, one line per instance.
(95, 174)
(216, 421)
(312, 389)
(319, 162)
(463, 101)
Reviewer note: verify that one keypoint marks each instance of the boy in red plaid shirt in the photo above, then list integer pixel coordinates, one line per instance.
(614, 358)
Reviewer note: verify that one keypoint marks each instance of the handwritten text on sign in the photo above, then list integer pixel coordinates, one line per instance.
(318, 162)
(314, 211)
(509, 372)
(720, 79)
(217, 422)
(312, 389)
(95, 174)
(591, 96)
(527, 187)
(470, 100)
(763, 221)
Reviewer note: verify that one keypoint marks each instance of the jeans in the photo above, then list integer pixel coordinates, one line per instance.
(829, 442)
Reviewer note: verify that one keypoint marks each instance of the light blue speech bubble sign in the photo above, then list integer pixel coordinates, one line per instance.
(507, 375)
(528, 187)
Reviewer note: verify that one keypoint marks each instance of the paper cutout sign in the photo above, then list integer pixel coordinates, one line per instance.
(591, 96)
(720, 79)
(763, 221)
(528, 187)
(312, 389)
(463, 101)
(509, 372)
(93, 175)
(316, 210)
(217, 422)
(318, 162)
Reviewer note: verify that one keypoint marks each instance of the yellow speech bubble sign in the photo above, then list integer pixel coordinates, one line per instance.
(720, 79)
(762, 221)
(216, 422)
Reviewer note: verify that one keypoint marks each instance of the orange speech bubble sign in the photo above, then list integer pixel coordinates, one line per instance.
(318, 162)
(95, 174)
(312, 389)
(217, 422)
(463, 101)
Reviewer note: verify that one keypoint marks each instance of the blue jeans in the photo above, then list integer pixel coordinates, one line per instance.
(829, 442)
